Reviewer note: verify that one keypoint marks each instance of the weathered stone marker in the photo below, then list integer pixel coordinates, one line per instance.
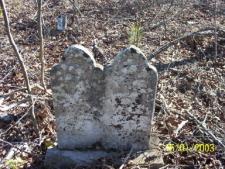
(61, 23)
(99, 111)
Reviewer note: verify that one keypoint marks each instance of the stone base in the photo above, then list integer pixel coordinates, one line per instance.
(58, 159)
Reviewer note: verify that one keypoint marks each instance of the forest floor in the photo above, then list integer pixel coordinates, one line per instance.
(190, 104)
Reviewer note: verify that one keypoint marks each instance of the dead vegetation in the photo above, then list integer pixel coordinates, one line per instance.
(185, 40)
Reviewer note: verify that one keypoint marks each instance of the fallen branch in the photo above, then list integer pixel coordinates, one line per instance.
(209, 132)
(201, 124)
(203, 32)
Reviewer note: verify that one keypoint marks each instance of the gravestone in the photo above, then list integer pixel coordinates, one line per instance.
(101, 110)
(61, 23)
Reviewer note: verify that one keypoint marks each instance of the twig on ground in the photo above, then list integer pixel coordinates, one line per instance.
(75, 6)
(12, 92)
(164, 167)
(209, 132)
(126, 159)
(6, 142)
(202, 125)
(13, 150)
(10, 106)
(26, 113)
(9, 72)
(180, 126)
(107, 166)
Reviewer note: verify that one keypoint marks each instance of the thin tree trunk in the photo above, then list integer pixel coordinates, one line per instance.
(21, 62)
(41, 54)
(15, 48)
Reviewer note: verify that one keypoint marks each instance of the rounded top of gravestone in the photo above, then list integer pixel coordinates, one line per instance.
(131, 52)
(135, 50)
(78, 54)
(132, 56)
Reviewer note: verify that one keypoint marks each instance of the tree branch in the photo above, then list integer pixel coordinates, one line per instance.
(41, 54)
(209, 132)
(207, 31)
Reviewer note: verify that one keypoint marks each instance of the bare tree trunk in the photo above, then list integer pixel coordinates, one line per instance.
(41, 54)
(21, 62)
(15, 48)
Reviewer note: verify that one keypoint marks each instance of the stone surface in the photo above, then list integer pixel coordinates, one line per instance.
(108, 108)
(76, 85)
(128, 104)
(61, 23)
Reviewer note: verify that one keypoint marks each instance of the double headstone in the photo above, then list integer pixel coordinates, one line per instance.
(100, 110)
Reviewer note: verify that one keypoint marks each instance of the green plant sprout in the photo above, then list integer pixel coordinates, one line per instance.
(135, 34)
